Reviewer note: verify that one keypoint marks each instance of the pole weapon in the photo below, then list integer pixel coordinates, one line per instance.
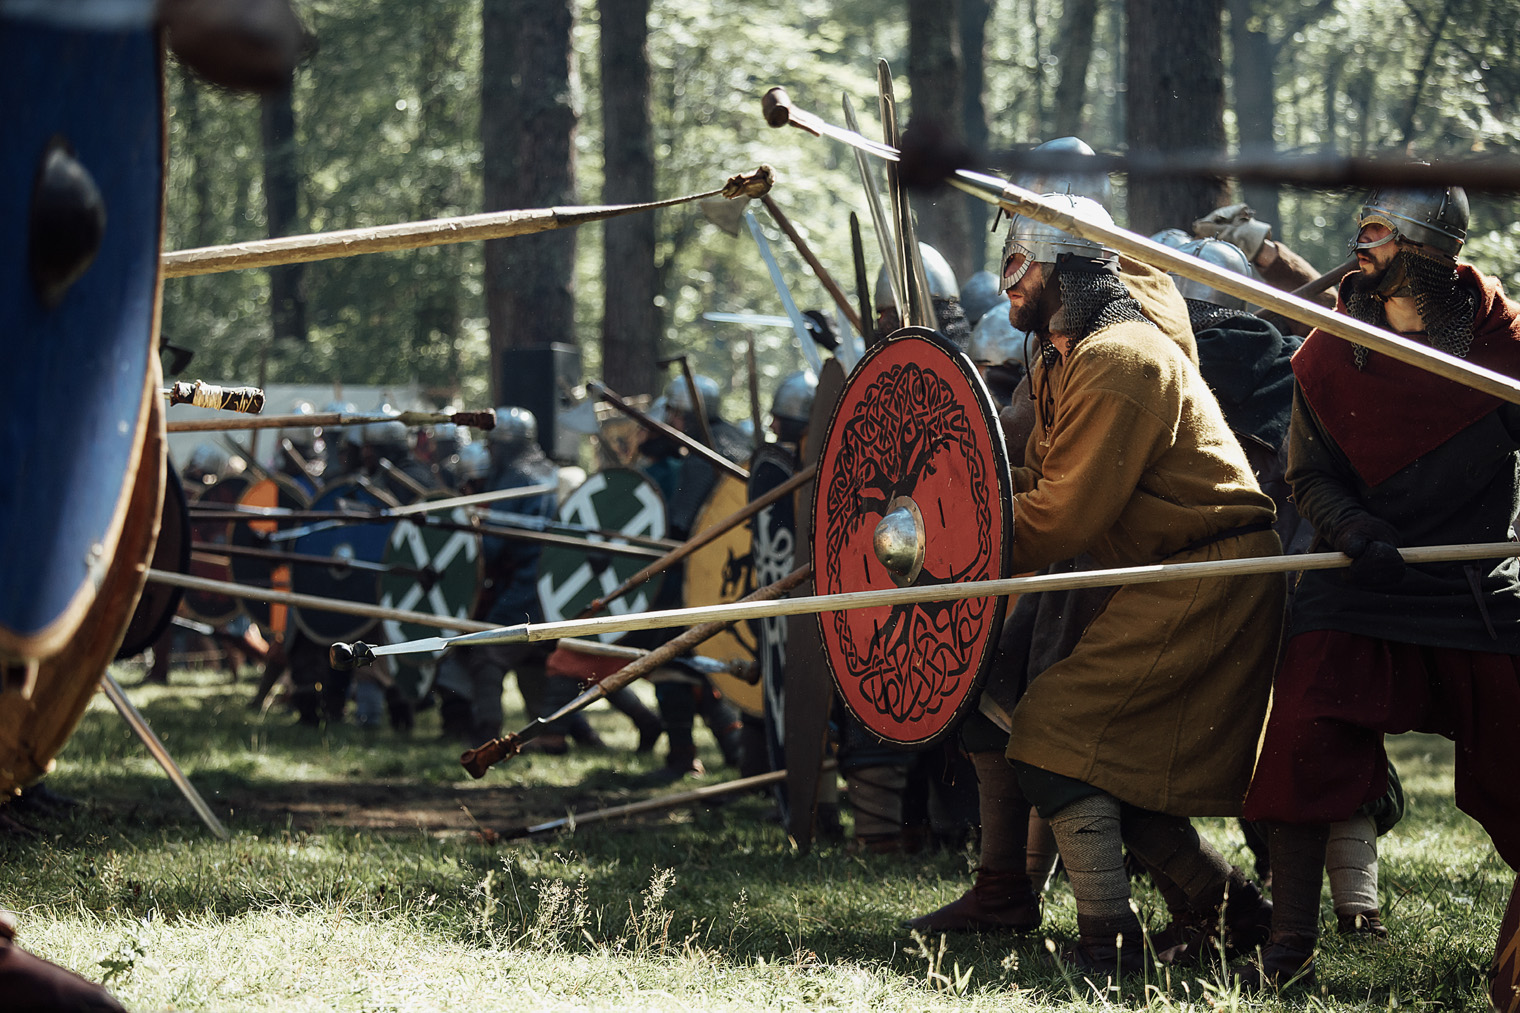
(929, 160)
(478, 760)
(359, 654)
(702, 794)
(919, 308)
(144, 731)
(799, 327)
(694, 393)
(702, 538)
(1015, 199)
(819, 271)
(884, 236)
(475, 420)
(209, 395)
(437, 232)
(655, 426)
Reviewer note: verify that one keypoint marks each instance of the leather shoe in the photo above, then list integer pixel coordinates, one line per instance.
(998, 901)
(1287, 960)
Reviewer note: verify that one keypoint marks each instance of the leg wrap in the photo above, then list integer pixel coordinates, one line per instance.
(1087, 832)
(1005, 813)
(1298, 861)
(1351, 864)
(1171, 846)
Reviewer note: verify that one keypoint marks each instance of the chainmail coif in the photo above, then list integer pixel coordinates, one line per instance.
(1091, 301)
(1447, 310)
(1205, 316)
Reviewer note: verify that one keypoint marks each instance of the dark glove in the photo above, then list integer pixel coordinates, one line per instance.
(1372, 545)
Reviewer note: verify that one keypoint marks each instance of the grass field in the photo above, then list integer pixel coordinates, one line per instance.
(356, 879)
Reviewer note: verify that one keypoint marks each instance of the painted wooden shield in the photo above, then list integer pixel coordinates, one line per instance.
(773, 546)
(273, 490)
(431, 570)
(722, 571)
(171, 554)
(571, 577)
(364, 543)
(912, 490)
(34, 726)
(82, 164)
(206, 606)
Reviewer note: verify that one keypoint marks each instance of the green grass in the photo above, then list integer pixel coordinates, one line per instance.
(356, 881)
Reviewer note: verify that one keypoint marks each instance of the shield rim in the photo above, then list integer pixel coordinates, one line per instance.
(257, 609)
(190, 598)
(748, 697)
(653, 584)
(361, 624)
(154, 613)
(983, 398)
(409, 631)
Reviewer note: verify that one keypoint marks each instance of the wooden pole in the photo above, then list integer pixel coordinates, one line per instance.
(701, 538)
(779, 112)
(732, 612)
(437, 232)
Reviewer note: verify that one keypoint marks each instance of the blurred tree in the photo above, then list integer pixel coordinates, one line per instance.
(282, 212)
(934, 80)
(527, 132)
(630, 316)
(1174, 102)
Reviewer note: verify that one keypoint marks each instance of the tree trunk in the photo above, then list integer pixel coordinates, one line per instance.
(436, 312)
(1076, 47)
(527, 134)
(974, 15)
(1174, 103)
(934, 81)
(1255, 88)
(630, 317)
(282, 203)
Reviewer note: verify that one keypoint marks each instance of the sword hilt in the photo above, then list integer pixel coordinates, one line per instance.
(347, 657)
(776, 104)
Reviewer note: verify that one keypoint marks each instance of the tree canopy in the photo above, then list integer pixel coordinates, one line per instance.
(387, 128)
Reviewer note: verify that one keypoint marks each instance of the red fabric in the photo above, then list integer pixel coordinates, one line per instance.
(570, 664)
(1390, 413)
(1338, 693)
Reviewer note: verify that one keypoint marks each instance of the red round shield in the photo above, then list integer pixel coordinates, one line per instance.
(912, 490)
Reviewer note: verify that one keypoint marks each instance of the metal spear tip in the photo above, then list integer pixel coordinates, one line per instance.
(929, 154)
(776, 104)
(347, 657)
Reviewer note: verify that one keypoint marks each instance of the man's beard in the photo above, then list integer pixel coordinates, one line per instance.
(1026, 316)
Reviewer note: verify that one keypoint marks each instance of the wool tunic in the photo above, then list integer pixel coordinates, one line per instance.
(1162, 700)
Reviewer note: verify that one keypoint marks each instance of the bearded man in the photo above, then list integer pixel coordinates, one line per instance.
(1383, 454)
(1153, 717)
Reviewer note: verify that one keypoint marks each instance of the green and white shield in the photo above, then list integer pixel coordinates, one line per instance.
(572, 577)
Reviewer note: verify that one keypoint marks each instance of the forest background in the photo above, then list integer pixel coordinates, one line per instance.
(402, 111)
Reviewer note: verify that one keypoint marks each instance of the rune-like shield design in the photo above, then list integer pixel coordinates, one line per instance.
(913, 456)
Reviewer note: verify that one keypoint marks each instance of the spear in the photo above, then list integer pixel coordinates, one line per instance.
(359, 654)
(475, 420)
(436, 232)
(779, 111)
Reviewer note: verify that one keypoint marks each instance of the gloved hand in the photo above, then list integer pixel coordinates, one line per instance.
(1372, 545)
(1237, 224)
